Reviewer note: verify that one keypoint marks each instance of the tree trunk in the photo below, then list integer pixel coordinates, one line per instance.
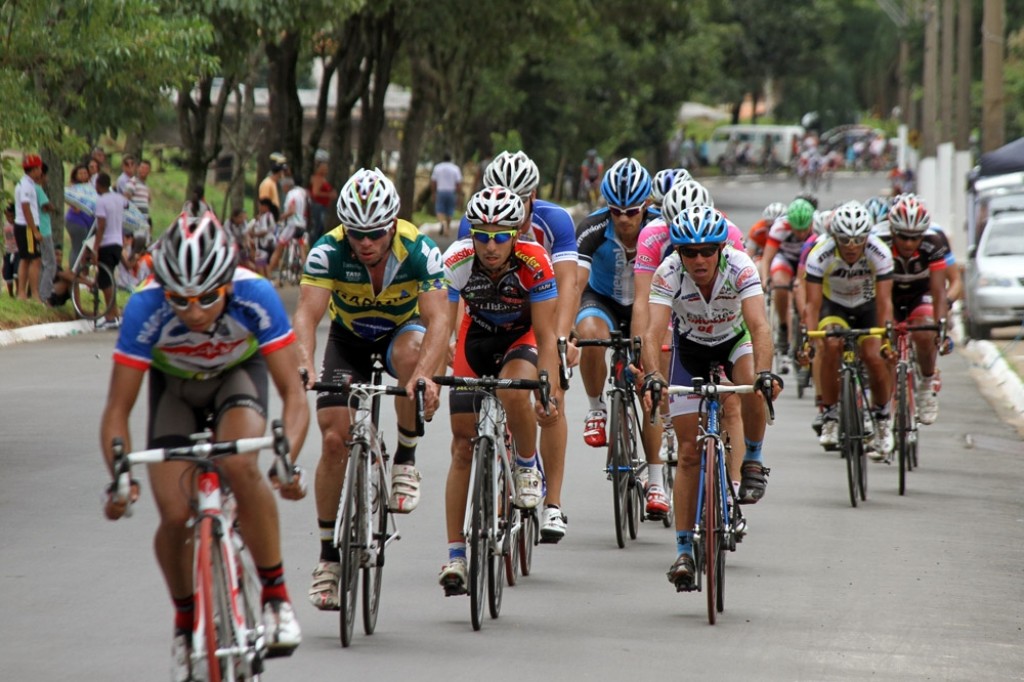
(948, 19)
(55, 191)
(963, 75)
(285, 133)
(133, 144)
(993, 49)
(930, 103)
(385, 41)
(320, 123)
(353, 69)
(412, 140)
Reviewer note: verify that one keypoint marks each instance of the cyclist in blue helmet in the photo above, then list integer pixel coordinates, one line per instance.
(712, 294)
(607, 245)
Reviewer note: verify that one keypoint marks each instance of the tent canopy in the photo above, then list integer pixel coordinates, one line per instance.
(1007, 159)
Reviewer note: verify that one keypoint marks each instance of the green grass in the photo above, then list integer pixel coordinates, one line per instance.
(15, 313)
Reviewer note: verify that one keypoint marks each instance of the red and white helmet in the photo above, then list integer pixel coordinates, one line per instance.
(513, 170)
(195, 255)
(908, 216)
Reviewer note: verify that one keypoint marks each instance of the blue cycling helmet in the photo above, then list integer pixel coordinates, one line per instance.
(627, 183)
(878, 208)
(664, 180)
(699, 225)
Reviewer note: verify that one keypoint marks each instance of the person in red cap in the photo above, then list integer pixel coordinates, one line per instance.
(26, 226)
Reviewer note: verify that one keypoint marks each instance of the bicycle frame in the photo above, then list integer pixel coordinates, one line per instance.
(222, 574)
(905, 429)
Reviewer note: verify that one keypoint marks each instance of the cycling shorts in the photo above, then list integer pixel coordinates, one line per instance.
(349, 355)
(615, 315)
(479, 353)
(860, 317)
(781, 263)
(690, 359)
(179, 407)
(914, 308)
(109, 255)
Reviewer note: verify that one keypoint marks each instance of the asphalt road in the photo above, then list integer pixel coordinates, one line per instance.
(922, 587)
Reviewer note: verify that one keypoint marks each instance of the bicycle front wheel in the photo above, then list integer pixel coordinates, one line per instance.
(619, 467)
(477, 542)
(86, 295)
(501, 547)
(901, 424)
(528, 537)
(850, 437)
(348, 544)
(711, 526)
(205, 635)
(373, 574)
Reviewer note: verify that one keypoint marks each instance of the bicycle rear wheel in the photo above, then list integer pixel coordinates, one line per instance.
(373, 574)
(502, 546)
(528, 537)
(850, 435)
(477, 542)
(250, 590)
(86, 295)
(637, 499)
(710, 526)
(618, 464)
(348, 544)
(668, 479)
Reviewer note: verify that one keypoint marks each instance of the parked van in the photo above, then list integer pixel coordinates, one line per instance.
(754, 140)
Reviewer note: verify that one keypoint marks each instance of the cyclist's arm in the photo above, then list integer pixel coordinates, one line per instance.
(433, 307)
(125, 383)
(582, 277)
(883, 301)
(455, 312)
(756, 319)
(812, 308)
(937, 283)
(765, 265)
(956, 284)
(641, 302)
(313, 302)
(543, 319)
(295, 412)
(653, 335)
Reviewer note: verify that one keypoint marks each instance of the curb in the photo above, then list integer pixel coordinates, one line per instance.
(985, 355)
(39, 332)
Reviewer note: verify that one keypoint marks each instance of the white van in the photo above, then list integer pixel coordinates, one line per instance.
(728, 140)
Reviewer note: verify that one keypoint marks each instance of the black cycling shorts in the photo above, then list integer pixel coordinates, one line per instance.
(863, 316)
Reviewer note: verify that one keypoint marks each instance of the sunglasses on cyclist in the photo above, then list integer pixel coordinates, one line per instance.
(204, 301)
(702, 251)
(909, 237)
(851, 241)
(486, 236)
(630, 212)
(373, 235)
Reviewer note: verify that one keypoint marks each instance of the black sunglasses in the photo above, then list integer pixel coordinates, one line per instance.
(702, 251)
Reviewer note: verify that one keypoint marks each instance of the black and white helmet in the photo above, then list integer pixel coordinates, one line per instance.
(664, 180)
(513, 170)
(851, 220)
(685, 195)
(368, 200)
(195, 255)
(496, 206)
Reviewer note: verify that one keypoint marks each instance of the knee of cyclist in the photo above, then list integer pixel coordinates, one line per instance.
(462, 453)
(175, 520)
(515, 400)
(334, 443)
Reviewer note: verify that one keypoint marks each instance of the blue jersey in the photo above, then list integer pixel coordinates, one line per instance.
(550, 226)
(609, 261)
(254, 321)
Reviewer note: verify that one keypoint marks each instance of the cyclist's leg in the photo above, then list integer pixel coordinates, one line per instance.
(595, 320)
(927, 351)
(782, 277)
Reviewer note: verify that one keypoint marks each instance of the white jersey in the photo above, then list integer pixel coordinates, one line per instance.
(845, 284)
(25, 193)
(707, 322)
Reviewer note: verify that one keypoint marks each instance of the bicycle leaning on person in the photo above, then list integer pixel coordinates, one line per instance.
(383, 283)
(208, 334)
(713, 296)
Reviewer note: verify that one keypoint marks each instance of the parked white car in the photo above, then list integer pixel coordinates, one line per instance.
(995, 276)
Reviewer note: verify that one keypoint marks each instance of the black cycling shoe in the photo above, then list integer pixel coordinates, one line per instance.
(753, 483)
(682, 573)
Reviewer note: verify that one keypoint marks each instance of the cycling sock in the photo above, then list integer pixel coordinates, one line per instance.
(184, 614)
(531, 462)
(753, 451)
(684, 541)
(272, 579)
(881, 411)
(597, 403)
(328, 552)
(456, 550)
(736, 488)
(406, 452)
(654, 474)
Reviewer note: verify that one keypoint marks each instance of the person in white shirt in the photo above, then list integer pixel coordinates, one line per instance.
(293, 220)
(138, 193)
(110, 208)
(26, 226)
(446, 183)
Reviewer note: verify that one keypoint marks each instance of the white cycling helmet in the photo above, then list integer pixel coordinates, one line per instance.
(819, 222)
(851, 220)
(909, 216)
(684, 195)
(664, 180)
(367, 200)
(195, 255)
(774, 211)
(513, 170)
(496, 206)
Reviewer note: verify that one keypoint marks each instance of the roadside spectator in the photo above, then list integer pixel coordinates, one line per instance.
(292, 221)
(240, 230)
(446, 183)
(136, 264)
(127, 173)
(10, 266)
(196, 206)
(268, 187)
(138, 192)
(94, 170)
(323, 197)
(26, 226)
(110, 238)
(100, 157)
(263, 229)
(49, 268)
(77, 223)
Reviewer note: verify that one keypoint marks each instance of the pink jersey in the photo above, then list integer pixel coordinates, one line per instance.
(653, 245)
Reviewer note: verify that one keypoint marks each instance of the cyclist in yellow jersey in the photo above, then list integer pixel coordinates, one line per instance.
(383, 283)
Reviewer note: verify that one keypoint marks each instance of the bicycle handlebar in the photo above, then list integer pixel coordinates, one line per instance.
(201, 453)
(711, 390)
(846, 333)
(541, 384)
(564, 370)
(349, 387)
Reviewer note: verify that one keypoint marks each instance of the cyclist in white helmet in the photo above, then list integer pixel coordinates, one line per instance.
(383, 283)
(208, 334)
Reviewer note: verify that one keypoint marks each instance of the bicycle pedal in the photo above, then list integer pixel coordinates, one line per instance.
(280, 652)
(656, 516)
(550, 538)
(454, 588)
(685, 586)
